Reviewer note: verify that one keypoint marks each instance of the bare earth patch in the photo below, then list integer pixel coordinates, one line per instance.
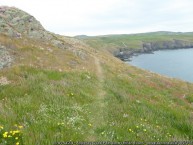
(4, 81)
(5, 58)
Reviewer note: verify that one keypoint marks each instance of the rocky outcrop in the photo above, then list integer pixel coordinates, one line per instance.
(5, 57)
(149, 47)
(17, 28)
(17, 23)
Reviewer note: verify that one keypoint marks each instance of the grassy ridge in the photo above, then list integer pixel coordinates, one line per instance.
(133, 41)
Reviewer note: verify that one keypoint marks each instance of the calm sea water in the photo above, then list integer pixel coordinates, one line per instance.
(173, 63)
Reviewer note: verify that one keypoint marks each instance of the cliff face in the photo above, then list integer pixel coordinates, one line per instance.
(148, 47)
(175, 44)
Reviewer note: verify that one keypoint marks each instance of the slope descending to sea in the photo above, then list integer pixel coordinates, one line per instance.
(58, 89)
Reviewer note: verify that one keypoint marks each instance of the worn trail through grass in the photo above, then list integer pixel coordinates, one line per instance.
(100, 75)
(98, 107)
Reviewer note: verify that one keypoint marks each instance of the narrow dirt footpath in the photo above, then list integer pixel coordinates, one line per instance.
(100, 75)
(98, 107)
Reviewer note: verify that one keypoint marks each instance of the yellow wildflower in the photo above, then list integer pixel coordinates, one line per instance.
(1, 127)
(17, 143)
(15, 131)
(5, 134)
(89, 124)
(16, 138)
(20, 126)
(130, 130)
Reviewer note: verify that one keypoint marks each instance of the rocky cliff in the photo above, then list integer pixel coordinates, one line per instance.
(148, 47)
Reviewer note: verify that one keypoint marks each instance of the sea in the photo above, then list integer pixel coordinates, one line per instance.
(176, 63)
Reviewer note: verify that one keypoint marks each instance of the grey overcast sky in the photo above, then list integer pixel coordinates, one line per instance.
(99, 17)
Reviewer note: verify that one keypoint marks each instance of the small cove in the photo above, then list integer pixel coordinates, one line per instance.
(176, 63)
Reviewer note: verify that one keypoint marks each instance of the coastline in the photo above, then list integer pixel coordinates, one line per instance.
(152, 47)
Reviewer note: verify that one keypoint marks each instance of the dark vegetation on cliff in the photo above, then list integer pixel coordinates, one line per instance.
(56, 88)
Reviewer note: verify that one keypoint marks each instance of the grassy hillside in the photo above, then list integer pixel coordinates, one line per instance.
(133, 41)
(78, 93)
(100, 100)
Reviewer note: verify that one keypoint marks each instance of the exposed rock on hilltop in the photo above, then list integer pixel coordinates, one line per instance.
(22, 37)
(17, 23)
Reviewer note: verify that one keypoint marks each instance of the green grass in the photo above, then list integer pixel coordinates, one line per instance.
(140, 112)
(133, 41)
(58, 106)
(42, 101)
(190, 98)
